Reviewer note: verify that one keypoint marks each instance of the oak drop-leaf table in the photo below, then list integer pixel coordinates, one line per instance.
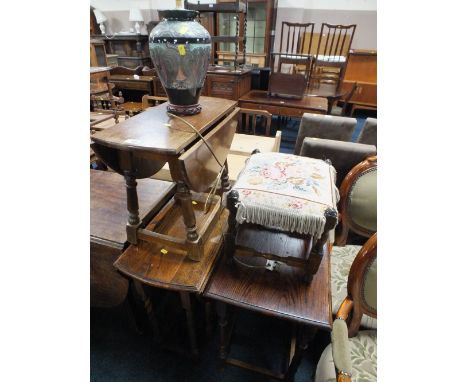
(140, 146)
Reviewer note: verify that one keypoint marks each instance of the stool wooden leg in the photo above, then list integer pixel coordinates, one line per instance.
(187, 305)
(226, 186)
(184, 197)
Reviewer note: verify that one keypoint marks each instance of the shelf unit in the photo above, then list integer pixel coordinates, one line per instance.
(239, 39)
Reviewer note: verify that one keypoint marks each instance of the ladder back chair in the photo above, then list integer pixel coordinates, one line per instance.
(294, 48)
(331, 59)
(247, 121)
(149, 101)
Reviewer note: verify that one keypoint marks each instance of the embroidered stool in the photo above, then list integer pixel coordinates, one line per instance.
(282, 208)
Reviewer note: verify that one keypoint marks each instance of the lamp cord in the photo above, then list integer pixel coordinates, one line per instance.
(218, 177)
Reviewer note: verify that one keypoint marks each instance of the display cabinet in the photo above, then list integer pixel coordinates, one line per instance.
(132, 49)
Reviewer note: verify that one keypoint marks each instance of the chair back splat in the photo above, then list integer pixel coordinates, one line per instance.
(331, 59)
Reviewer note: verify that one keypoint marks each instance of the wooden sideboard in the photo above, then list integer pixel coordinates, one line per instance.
(362, 68)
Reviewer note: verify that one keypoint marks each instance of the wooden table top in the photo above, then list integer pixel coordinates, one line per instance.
(154, 131)
(109, 203)
(127, 77)
(280, 293)
(172, 270)
(262, 97)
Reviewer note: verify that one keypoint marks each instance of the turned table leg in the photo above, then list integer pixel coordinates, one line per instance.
(187, 306)
(221, 309)
(132, 207)
(305, 335)
(141, 295)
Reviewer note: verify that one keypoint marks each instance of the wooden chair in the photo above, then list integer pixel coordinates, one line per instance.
(358, 212)
(292, 45)
(358, 201)
(329, 64)
(155, 100)
(346, 339)
(341, 111)
(247, 120)
(102, 99)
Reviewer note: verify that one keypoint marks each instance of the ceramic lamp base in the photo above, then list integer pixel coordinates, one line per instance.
(184, 109)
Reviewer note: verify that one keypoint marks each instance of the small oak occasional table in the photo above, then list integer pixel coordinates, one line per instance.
(140, 146)
(279, 293)
(108, 238)
(161, 267)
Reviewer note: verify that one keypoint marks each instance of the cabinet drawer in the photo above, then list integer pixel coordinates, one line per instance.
(132, 85)
(365, 94)
(222, 88)
(270, 108)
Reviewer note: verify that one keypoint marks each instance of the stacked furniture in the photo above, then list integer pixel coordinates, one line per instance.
(131, 49)
(239, 7)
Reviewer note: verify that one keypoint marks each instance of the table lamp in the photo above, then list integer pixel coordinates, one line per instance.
(100, 19)
(135, 15)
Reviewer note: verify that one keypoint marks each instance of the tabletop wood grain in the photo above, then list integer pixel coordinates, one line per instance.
(109, 203)
(154, 131)
(280, 293)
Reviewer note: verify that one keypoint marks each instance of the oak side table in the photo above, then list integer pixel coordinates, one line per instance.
(279, 293)
(161, 267)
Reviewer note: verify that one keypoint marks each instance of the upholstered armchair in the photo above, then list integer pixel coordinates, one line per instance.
(352, 354)
(325, 127)
(358, 213)
(368, 133)
(343, 155)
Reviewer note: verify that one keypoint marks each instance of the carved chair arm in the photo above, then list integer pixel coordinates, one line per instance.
(341, 350)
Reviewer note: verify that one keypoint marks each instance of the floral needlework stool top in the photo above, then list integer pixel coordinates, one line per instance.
(286, 192)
